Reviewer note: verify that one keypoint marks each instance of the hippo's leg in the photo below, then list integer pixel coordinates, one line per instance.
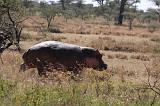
(76, 75)
(76, 72)
(78, 69)
(40, 67)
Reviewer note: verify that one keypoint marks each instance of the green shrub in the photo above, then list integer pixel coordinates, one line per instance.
(153, 27)
(5, 88)
(54, 30)
(98, 90)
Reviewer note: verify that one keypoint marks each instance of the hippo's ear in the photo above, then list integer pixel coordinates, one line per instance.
(97, 52)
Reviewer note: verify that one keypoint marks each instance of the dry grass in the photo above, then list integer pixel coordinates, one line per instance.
(155, 38)
(90, 26)
(118, 85)
(40, 36)
(98, 88)
(110, 56)
(121, 56)
(140, 57)
(103, 43)
(31, 36)
(118, 56)
(107, 43)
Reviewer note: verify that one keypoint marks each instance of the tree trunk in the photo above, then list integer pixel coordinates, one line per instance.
(62, 3)
(49, 19)
(1, 58)
(120, 17)
(130, 24)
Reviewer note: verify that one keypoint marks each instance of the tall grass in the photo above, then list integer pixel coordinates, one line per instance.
(98, 89)
(107, 43)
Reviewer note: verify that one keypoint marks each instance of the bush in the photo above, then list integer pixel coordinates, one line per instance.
(54, 30)
(139, 26)
(153, 27)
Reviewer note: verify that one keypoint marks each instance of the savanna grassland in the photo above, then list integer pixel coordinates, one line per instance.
(132, 77)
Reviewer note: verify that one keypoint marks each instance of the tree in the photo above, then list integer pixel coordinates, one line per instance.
(156, 2)
(131, 12)
(48, 12)
(28, 3)
(66, 10)
(121, 11)
(107, 9)
(157, 11)
(68, 14)
(65, 3)
(79, 9)
(100, 2)
(63, 6)
(10, 26)
(123, 4)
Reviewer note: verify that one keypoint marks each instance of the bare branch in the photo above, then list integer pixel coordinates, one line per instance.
(19, 34)
(9, 16)
(1, 58)
(153, 101)
(153, 87)
(23, 20)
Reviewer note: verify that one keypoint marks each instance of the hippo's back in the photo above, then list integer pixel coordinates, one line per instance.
(54, 51)
(55, 45)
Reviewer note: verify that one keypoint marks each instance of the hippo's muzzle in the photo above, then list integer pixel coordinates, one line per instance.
(103, 67)
(22, 67)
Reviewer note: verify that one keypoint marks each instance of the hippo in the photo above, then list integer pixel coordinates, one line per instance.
(61, 55)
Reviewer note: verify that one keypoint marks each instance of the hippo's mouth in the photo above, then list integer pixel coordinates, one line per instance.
(22, 67)
(101, 68)
(104, 66)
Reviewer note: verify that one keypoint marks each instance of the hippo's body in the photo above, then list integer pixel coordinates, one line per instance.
(59, 54)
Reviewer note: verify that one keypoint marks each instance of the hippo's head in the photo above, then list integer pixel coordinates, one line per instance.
(24, 67)
(93, 59)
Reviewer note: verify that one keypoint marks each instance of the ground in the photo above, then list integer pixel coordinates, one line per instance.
(128, 53)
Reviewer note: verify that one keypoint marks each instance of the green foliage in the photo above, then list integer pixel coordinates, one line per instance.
(150, 15)
(5, 88)
(54, 96)
(14, 6)
(48, 11)
(11, 16)
(156, 2)
(157, 49)
(68, 14)
(98, 90)
(10, 3)
(153, 27)
(81, 10)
